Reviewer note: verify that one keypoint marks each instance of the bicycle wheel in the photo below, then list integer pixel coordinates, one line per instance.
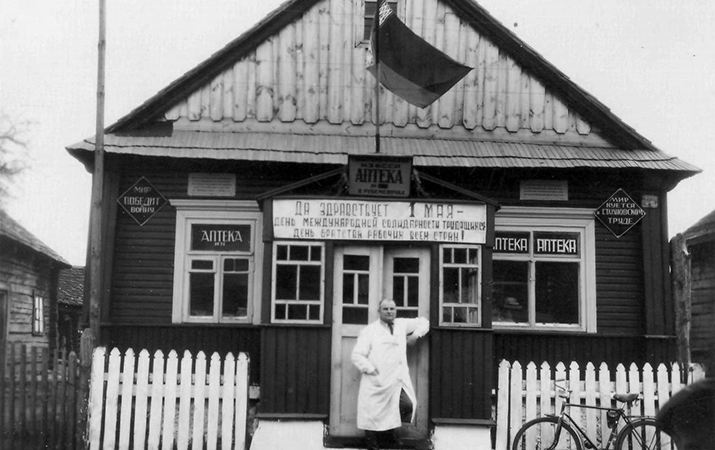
(642, 434)
(544, 434)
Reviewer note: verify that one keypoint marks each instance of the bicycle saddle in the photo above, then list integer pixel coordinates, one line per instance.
(625, 398)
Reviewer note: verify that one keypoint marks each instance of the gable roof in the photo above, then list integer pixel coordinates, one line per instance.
(12, 230)
(199, 97)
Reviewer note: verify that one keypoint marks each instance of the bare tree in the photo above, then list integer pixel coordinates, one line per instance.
(14, 155)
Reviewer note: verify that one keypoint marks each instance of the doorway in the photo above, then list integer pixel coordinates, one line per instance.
(363, 276)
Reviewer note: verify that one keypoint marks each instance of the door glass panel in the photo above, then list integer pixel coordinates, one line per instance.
(406, 286)
(356, 275)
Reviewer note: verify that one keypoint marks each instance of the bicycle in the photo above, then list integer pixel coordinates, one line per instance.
(562, 432)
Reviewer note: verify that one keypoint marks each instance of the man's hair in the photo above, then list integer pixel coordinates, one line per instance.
(379, 305)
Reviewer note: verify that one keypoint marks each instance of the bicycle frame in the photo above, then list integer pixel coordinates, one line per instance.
(564, 416)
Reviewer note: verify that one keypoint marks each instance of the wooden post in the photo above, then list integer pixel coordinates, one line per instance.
(681, 280)
(95, 225)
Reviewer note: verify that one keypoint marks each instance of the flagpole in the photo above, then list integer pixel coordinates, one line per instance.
(377, 84)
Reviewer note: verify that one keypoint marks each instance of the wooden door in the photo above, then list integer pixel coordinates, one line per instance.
(363, 276)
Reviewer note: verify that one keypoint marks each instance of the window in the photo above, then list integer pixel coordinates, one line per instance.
(297, 286)
(544, 269)
(38, 316)
(217, 261)
(460, 286)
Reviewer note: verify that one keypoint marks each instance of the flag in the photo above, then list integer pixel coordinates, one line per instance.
(409, 66)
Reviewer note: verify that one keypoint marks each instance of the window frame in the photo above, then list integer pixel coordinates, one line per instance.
(274, 265)
(537, 219)
(38, 315)
(215, 212)
(478, 305)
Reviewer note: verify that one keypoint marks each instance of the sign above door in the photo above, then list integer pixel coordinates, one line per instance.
(379, 176)
(379, 220)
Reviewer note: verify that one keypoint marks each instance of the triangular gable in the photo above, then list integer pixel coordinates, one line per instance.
(306, 64)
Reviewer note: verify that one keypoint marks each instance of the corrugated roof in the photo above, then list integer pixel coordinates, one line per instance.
(12, 230)
(334, 149)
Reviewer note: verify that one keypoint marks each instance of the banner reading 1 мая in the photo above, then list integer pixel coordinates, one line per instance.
(330, 219)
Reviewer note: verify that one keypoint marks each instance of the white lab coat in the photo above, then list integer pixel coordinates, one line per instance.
(379, 395)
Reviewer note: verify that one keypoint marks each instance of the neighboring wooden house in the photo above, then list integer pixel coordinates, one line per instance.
(694, 286)
(29, 272)
(69, 308)
(517, 213)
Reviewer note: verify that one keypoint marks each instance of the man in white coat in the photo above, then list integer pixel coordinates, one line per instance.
(386, 397)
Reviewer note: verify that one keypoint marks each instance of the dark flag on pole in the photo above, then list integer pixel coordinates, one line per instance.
(409, 66)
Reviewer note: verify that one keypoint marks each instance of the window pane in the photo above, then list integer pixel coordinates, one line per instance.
(447, 255)
(557, 286)
(309, 283)
(201, 294)
(235, 295)
(348, 288)
(299, 253)
(363, 289)
(297, 312)
(281, 311)
(235, 265)
(286, 282)
(282, 252)
(470, 278)
(398, 291)
(355, 315)
(316, 253)
(450, 286)
(413, 291)
(356, 262)
(406, 265)
(460, 255)
(314, 312)
(200, 264)
(511, 291)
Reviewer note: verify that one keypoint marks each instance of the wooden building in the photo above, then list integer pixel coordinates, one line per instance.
(29, 272)
(694, 287)
(519, 214)
(70, 298)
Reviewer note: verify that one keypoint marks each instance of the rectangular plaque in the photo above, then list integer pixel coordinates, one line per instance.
(548, 190)
(212, 184)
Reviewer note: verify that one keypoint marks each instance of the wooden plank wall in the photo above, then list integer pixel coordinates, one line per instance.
(460, 374)
(611, 349)
(702, 296)
(295, 378)
(193, 338)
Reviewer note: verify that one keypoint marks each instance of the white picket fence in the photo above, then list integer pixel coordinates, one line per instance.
(524, 393)
(179, 404)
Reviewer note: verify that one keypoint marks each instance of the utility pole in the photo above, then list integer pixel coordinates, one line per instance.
(96, 223)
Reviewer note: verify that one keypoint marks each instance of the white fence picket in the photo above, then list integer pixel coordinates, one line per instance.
(126, 405)
(170, 376)
(175, 400)
(197, 434)
(185, 385)
(157, 390)
(142, 396)
(528, 393)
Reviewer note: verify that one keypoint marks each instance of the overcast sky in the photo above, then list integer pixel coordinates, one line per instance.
(652, 62)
